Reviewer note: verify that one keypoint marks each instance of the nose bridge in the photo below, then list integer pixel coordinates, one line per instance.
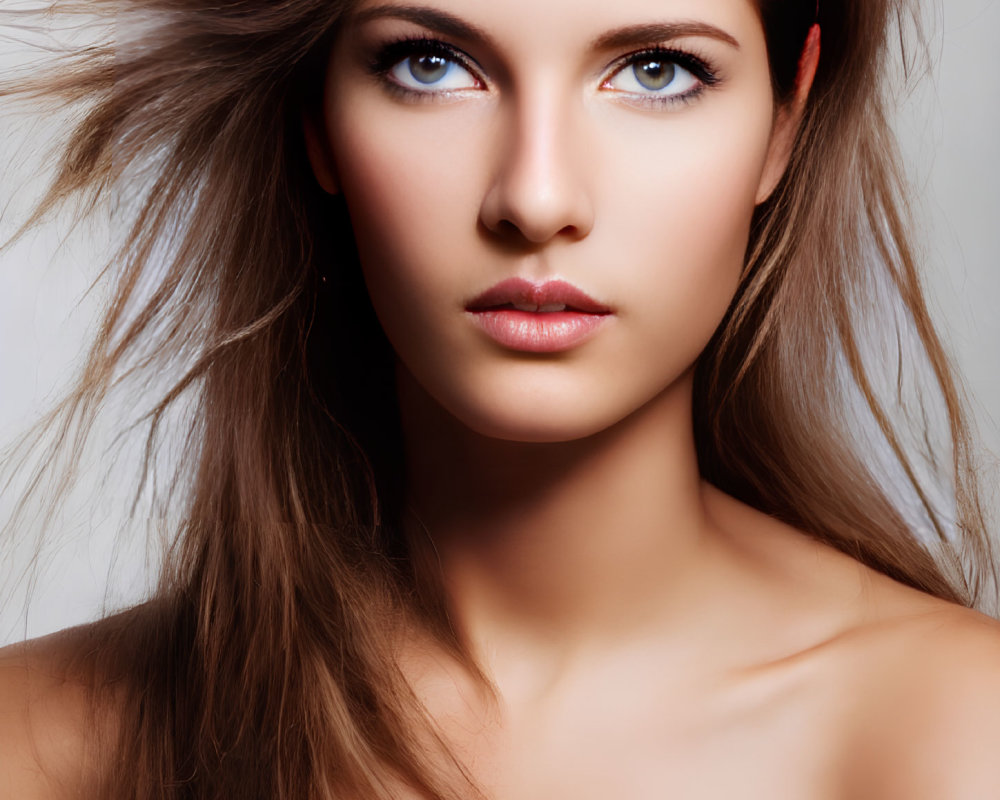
(540, 185)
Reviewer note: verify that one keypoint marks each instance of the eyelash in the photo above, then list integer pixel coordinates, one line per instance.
(699, 67)
(393, 52)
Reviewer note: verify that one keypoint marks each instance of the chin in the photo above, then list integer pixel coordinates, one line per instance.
(534, 428)
(538, 403)
(533, 415)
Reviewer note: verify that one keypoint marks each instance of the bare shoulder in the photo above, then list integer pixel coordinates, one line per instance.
(927, 710)
(44, 717)
(912, 681)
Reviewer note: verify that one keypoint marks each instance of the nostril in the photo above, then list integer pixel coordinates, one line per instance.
(508, 228)
(535, 232)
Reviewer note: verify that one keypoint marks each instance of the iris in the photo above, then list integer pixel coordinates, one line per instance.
(654, 74)
(428, 68)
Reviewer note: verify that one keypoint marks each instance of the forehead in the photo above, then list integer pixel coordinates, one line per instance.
(538, 26)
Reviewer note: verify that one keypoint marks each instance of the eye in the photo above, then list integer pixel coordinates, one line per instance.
(662, 77)
(424, 66)
(432, 71)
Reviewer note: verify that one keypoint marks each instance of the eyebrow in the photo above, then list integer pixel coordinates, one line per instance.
(658, 32)
(431, 18)
(450, 25)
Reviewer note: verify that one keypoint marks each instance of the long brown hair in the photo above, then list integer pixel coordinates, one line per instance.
(265, 665)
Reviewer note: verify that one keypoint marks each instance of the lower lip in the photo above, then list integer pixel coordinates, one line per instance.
(538, 332)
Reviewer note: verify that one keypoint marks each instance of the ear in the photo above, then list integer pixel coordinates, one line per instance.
(318, 151)
(789, 117)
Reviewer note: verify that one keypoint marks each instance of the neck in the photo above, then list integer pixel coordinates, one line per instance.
(558, 543)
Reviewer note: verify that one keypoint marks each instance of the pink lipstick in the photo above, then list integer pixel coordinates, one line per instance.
(546, 317)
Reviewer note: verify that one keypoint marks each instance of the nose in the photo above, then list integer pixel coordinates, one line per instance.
(539, 189)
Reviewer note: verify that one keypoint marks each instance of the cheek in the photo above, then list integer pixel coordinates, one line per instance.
(682, 218)
(408, 190)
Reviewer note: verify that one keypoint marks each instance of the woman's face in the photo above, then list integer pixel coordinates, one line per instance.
(503, 160)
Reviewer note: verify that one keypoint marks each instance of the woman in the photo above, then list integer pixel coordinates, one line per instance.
(589, 519)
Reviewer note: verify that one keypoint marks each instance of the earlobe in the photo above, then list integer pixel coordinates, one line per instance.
(786, 125)
(318, 151)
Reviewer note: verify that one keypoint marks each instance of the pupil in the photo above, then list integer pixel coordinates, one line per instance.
(428, 69)
(654, 74)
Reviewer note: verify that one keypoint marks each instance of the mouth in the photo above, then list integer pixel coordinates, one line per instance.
(549, 297)
(527, 317)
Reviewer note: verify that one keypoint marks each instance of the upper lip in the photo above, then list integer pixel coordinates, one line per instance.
(531, 296)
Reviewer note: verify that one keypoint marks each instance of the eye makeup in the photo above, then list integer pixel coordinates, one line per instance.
(388, 56)
(696, 66)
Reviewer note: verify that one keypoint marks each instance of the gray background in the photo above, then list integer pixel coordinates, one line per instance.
(950, 129)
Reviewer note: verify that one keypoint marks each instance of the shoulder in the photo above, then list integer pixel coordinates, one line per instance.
(45, 717)
(908, 685)
(927, 706)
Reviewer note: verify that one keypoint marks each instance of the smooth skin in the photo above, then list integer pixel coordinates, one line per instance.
(648, 636)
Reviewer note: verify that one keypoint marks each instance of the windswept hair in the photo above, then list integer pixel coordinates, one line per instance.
(266, 663)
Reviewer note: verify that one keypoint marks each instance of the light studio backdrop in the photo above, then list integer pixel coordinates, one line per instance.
(950, 132)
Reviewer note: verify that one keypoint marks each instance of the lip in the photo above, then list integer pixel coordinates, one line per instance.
(504, 313)
(524, 292)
